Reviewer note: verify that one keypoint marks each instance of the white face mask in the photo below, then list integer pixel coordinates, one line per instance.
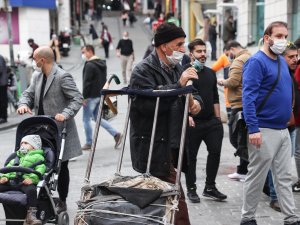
(23, 150)
(35, 67)
(278, 46)
(83, 57)
(175, 58)
(125, 38)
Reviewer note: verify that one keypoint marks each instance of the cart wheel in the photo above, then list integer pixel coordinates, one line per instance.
(63, 218)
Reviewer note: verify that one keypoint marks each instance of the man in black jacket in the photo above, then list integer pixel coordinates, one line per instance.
(94, 78)
(3, 90)
(206, 126)
(126, 54)
(161, 71)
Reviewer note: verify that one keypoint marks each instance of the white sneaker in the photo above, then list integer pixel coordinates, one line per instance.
(237, 176)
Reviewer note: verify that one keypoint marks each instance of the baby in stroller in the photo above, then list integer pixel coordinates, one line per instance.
(30, 155)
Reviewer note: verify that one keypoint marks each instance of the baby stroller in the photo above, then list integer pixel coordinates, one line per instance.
(53, 141)
(133, 200)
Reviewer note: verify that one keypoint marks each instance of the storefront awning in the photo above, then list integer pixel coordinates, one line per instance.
(45, 4)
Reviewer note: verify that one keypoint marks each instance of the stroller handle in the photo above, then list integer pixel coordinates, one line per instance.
(22, 170)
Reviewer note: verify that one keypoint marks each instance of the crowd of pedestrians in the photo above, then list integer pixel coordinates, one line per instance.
(262, 91)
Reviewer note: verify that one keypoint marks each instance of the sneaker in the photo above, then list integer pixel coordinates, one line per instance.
(251, 222)
(193, 196)
(118, 139)
(296, 186)
(237, 176)
(213, 193)
(61, 207)
(86, 147)
(275, 205)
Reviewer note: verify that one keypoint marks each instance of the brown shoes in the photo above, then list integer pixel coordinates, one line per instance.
(118, 139)
(86, 147)
(275, 205)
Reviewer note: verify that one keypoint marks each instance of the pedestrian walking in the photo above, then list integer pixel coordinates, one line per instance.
(212, 38)
(32, 45)
(106, 40)
(132, 18)
(12, 88)
(228, 30)
(94, 78)
(54, 45)
(53, 92)
(205, 126)
(3, 90)
(291, 57)
(234, 85)
(93, 34)
(126, 53)
(224, 62)
(124, 17)
(266, 74)
(161, 70)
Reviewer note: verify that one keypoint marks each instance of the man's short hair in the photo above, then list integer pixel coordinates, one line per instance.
(90, 48)
(194, 43)
(269, 29)
(297, 43)
(233, 44)
(30, 40)
(290, 46)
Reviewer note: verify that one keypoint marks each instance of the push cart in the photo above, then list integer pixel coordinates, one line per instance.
(134, 200)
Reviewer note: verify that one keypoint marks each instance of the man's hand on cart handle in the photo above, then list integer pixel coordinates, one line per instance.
(194, 106)
(60, 117)
(188, 74)
(24, 109)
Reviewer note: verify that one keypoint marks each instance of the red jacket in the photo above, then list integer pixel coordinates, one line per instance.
(108, 35)
(297, 78)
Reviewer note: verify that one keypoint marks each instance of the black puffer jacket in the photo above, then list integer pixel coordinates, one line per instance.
(94, 77)
(149, 75)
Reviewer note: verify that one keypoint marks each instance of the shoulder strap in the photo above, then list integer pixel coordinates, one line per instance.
(260, 107)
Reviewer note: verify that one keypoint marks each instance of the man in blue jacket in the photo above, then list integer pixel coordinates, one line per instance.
(269, 144)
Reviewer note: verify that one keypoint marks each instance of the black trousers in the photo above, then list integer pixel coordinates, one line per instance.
(63, 181)
(3, 102)
(211, 132)
(106, 48)
(29, 190)
(242, 168)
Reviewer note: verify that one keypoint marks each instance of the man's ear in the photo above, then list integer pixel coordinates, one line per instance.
(163, 47)
(268, 39)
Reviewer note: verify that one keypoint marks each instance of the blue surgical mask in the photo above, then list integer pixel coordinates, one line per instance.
(198, 65)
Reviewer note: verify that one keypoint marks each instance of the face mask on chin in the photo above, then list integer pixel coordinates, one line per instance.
(278, 47)
(35, 67)
(198, 65)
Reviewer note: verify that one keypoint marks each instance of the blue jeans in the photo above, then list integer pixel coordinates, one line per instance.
(90, 111)
(273, 194)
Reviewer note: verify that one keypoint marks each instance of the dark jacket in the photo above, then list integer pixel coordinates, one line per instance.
(3, 72)
(94, 77)
(149, 74)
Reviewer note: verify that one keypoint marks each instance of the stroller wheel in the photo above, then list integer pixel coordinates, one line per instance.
(63, 218)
